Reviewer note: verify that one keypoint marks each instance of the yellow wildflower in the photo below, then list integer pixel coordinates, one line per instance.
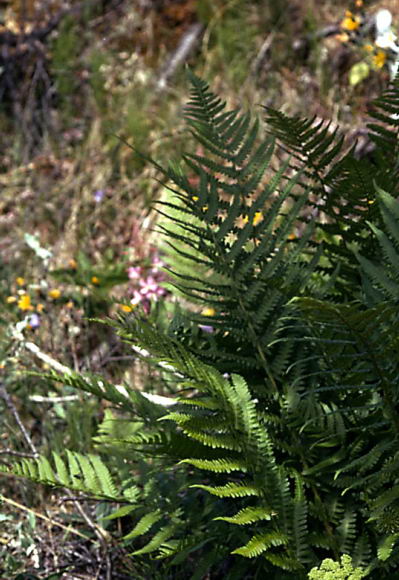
(20, 281)
(55, 293)
(292, 237)
(69, 304)
(195, 198)
(208, 312)
(350, 22)
(368, 47)
(125, 307)
(359, 3)
(11, 299)
(204, 208)
(379, 59)
(255, 220)
(72, 264)
(40, 307)
(24, 302)
(95, 280)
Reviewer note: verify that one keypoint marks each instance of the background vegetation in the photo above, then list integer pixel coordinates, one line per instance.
(80, 84)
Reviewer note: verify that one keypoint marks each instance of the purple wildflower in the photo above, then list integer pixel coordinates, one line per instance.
(206, 328)
(98, 195)
(34, 321)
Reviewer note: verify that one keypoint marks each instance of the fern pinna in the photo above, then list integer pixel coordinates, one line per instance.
(280, 445)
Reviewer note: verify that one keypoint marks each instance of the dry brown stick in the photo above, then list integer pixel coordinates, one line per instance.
(12, 408)
(102, 535)
(17, 453)
(262, 53)
(83, 498)
(43, 517)
(180, 55)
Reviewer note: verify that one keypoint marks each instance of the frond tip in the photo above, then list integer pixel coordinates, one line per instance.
(83, 473)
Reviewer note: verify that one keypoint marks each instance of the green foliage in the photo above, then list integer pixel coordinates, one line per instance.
(86, 473)
(278, 443)
(232, 36)
(330, 570)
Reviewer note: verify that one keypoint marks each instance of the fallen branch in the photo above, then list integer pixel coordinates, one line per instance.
(180, 56)
(12, 408)
(17, 453)
(51, 362)
(43, 517)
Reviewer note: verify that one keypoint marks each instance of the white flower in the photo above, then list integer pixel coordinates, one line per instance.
(384, 35)
(383, 22)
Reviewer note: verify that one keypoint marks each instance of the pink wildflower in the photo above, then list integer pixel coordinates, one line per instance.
(147, 282)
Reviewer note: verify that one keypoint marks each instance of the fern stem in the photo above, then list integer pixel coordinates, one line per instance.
(221, 253)
(258, 346)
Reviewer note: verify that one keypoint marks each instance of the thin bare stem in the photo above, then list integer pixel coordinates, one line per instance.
(17, 453)
(43, 517)
(12, 408)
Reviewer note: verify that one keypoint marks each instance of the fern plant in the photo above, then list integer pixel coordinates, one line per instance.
(278, 446)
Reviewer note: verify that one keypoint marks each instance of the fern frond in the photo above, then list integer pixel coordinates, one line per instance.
(385, 278)
(386, 546)
(231, 489)
(347, 531)
(83, 473)
(312, 142)
(384, 133)
(157, 540)
(144, 524)
(261, 543)
(217, 465)
(248, 515)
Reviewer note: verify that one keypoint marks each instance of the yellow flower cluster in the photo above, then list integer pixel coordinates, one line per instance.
(351, 22)
(256, 219)
(377, 52)
(23, 299)
(24, 303)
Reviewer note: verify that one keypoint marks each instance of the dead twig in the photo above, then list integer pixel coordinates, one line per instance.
(180, 56)
(12, 408)
(102, 535)
(43, 517)
(262, 54)
(17, 453)
(41, 399)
